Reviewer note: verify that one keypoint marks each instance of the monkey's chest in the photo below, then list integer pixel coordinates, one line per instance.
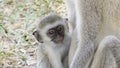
(55, 52)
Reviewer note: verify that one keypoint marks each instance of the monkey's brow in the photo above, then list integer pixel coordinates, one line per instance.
(49, 20)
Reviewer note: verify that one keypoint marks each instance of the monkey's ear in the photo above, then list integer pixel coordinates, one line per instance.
(37, 36)
(66, 19)
(66, 23)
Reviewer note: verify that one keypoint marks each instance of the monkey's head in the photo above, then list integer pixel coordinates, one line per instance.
(51, 28)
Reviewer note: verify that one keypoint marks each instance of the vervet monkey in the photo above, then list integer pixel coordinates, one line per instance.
(97, 25)
(53, 34)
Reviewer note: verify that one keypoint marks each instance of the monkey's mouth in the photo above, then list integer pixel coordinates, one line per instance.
(58, 40)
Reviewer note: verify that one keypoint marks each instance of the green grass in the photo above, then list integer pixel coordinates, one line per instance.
(17, 22)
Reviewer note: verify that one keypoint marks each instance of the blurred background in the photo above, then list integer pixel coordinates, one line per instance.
(17, 22)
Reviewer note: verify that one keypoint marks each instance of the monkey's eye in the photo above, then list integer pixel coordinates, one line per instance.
(51, 31)
(60, 28)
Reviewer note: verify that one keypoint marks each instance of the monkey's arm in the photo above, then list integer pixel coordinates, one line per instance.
(88, 24)
(83, 56)
(42, 60)
(54, 56)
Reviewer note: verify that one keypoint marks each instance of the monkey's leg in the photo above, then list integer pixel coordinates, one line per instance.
(107, 54)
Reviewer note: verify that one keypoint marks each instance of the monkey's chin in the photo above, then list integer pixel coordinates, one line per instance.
(58, 42)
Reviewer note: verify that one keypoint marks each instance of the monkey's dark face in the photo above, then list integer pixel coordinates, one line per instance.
(56, 33)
